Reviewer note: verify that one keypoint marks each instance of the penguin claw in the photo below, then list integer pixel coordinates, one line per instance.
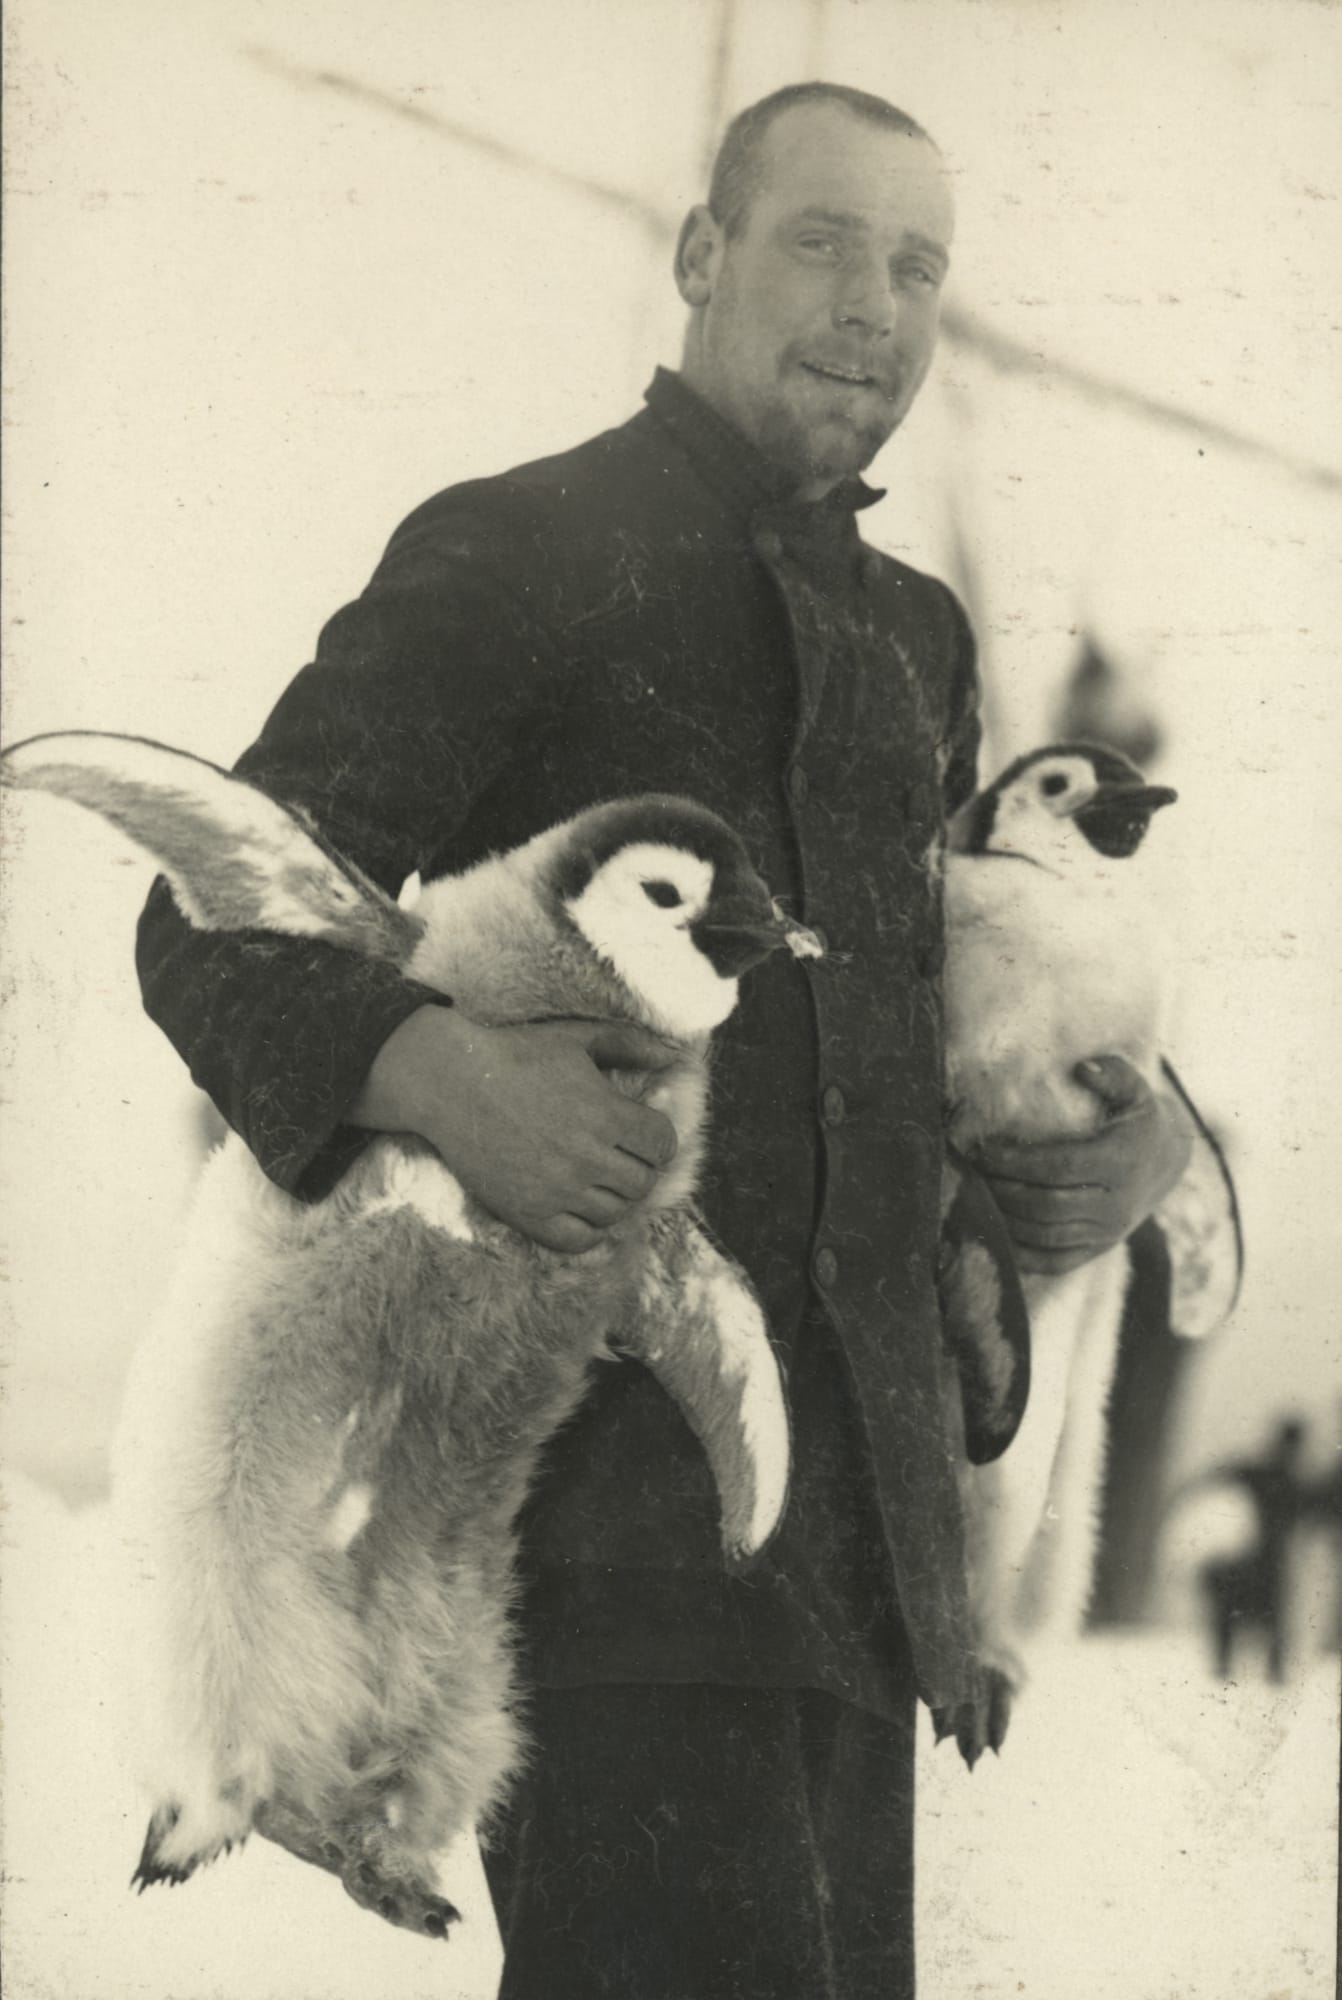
(969, 1734)
(1000, 1697)
(980, 1724)
(404, 1900)
(151, 1870)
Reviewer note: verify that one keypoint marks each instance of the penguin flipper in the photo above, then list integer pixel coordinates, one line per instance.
(700, 1329)
(1200, 1222)
(985, 1321)
(235, 859)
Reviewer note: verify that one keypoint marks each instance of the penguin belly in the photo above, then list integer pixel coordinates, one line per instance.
(325, 1441)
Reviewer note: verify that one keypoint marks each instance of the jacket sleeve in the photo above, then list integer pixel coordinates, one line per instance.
(405, 716)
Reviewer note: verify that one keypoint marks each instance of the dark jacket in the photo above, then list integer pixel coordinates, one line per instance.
(649, 613)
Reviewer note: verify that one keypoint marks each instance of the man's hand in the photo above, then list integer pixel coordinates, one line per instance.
(1065, 1201)
(525, 1119)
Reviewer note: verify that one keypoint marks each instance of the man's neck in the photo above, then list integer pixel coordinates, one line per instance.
(694, 378)
(733, 465)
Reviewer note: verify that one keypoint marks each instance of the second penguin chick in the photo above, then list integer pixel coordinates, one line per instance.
(1055, 954)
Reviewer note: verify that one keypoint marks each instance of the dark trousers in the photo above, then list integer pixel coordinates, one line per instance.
(708, 1843)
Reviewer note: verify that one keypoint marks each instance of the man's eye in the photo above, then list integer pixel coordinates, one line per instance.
(818, 246)
(919, 274)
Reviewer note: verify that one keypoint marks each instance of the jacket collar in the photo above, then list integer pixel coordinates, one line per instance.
(737, 471)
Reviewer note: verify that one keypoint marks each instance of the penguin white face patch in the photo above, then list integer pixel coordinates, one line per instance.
(636, 913)
(1036, 813)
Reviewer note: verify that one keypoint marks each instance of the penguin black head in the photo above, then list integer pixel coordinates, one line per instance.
(664, 892)
(1041, 801)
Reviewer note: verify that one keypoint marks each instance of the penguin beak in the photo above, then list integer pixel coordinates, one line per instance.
(1115, 818)
(737, 932)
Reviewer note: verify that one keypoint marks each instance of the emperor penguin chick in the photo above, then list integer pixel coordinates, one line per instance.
(331, 1428)
(1055, 955)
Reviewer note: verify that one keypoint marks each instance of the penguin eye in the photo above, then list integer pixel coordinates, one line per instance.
(664, 894)
(1053, 784)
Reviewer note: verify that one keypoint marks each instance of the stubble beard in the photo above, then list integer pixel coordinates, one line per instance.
(816, 444)
(829, 449)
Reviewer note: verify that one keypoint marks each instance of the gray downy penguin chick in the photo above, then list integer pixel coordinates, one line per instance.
(1056, 954)
(331, 1427)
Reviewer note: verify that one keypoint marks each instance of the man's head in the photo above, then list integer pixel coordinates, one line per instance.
(814, 275)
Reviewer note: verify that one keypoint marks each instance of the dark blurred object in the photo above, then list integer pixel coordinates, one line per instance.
(1249, 1591)
(1152, 1364)
(1097, 705)
(1322, 1510)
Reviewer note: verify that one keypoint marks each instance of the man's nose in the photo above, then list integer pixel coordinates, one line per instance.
(866, 299)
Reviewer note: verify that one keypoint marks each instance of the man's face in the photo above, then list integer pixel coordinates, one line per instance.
(821, 314)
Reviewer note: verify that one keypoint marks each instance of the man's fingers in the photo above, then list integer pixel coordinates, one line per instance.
(1056, 1164)
(1119, 1087)
(624, 1045)
(646, 1134)
(600, 1206)
(1083, 1232)
(1044, 1203)
(1088, 1162)
(627, 1176)
(569, 1233)
(1067, 1200)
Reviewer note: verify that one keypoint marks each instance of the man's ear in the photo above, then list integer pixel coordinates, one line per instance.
(698, 255)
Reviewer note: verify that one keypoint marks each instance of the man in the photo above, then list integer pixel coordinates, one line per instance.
(720, 1800)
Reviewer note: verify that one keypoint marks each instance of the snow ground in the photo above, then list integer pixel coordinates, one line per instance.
(1148, 1835)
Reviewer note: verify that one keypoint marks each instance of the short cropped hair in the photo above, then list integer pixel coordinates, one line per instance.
(737, 171)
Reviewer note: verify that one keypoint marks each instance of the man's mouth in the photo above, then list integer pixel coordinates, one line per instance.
(850, 378)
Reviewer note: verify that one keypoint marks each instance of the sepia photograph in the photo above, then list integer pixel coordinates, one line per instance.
(670, 1121)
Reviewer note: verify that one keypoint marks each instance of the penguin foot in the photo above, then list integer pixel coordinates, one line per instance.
(980, 1724)
(366, 1859)
(152, 1868)
(402, 1897)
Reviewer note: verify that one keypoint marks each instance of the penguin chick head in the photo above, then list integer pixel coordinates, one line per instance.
(1064, 807)
(662, 891)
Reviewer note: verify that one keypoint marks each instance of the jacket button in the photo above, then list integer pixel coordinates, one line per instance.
(826, 1268)
(833, 1106)
(769, 544)
(798, 785)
